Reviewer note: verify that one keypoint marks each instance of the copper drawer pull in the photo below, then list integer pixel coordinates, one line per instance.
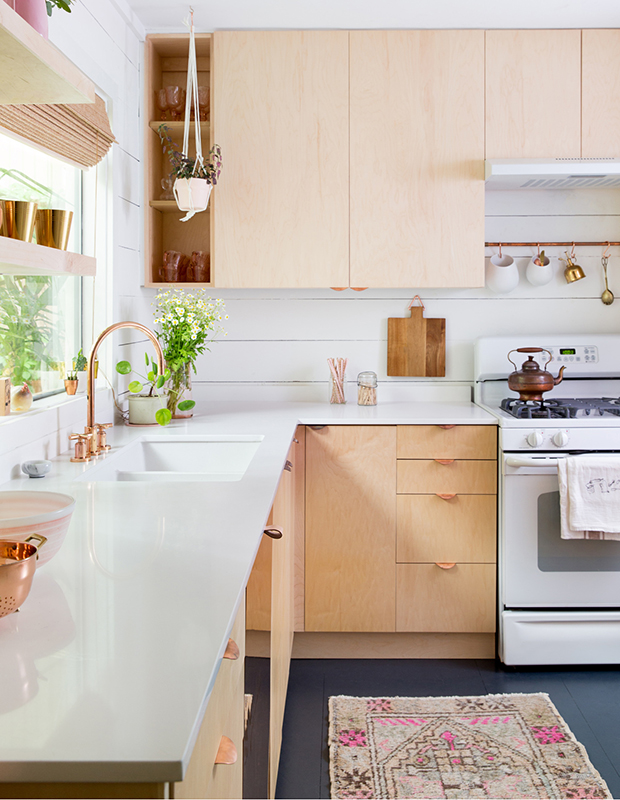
(446, 427)
(273, 532)
(288, 466)
(317, 427)
(232, 650)
(226, 752)
(444, 461)
(445, 496)
(445, 565)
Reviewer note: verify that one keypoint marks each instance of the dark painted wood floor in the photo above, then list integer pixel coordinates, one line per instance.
(587, 698)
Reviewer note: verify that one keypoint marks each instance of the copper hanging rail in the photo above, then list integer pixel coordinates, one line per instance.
(551, 244)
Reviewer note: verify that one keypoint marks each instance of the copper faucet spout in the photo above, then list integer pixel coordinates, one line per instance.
(90, 392)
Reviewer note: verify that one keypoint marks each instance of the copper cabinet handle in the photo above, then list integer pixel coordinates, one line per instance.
(445, 496)
(317, 427)
(226, 752)
(273, 532)
(232, 650)
(445, 564)
(444, 461)
(296, 440)
(446, 427)
(288, 466)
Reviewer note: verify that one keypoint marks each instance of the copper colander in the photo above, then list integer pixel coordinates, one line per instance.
(17, 566)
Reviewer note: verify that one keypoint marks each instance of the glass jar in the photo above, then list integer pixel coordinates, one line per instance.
(367, 389)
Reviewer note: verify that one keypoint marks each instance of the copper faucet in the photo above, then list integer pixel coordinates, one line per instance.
(96, 432)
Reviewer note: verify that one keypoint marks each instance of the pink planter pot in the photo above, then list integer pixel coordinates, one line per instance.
(35, 14)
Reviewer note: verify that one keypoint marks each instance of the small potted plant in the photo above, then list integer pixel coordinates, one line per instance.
(71, 382)
(80, 362)
(146, 408)
(194, 178)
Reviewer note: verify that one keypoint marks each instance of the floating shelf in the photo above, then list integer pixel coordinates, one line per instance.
(24, 258)
(186, 285)
(176, 127)
(33, 70)
(169, 205)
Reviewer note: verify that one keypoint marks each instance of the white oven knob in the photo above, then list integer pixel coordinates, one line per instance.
(560, 439)
(535, 439)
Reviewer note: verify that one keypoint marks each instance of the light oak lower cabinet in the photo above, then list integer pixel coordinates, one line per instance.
(350, 528)
(447, 522)
(271, 594)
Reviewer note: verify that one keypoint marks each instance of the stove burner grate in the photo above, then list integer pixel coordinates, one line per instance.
(561, 408)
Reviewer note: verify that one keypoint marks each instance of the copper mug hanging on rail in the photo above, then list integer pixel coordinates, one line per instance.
(531, 381)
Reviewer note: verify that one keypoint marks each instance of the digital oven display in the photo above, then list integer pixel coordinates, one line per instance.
(567, 351)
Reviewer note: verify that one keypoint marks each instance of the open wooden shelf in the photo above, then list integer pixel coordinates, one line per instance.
(33, 70)
(180, 285)
(24, 258)
(176, 128)
(165, 64)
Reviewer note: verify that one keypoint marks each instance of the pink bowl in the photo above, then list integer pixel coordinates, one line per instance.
(45, 513)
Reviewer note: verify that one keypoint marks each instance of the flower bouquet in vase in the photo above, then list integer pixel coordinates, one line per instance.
(185, 324)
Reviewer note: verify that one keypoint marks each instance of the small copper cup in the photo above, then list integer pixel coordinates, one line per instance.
(201, 266)
(18, 219)
(171, 268)
(54, 227)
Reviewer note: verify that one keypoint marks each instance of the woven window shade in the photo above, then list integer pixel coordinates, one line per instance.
(80, 133)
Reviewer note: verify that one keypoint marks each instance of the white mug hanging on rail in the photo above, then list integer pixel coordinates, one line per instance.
(502, 275)
(540, 269)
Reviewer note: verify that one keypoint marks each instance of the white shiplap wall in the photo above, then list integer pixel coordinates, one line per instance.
(278, 340)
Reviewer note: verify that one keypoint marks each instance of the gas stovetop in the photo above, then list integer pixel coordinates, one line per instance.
(582, 408)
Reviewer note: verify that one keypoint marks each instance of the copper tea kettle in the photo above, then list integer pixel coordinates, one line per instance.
(531, 381)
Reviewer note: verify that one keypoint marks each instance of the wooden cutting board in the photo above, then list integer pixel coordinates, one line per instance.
(416, 345)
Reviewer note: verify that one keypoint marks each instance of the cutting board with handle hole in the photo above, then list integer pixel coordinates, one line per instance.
(416, 345)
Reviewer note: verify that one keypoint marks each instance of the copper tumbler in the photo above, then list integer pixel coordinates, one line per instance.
(54, 227)
(18, 218)
(171, 269)
(201, 263)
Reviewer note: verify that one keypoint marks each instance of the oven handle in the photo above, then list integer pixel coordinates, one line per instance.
(519, 461)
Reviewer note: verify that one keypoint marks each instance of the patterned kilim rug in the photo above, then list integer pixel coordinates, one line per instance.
(494, 746)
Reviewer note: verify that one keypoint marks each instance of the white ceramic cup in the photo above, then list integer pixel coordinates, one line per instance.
(502, 275)
(539, 275)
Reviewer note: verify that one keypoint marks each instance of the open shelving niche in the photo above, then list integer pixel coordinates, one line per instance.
(166, 65)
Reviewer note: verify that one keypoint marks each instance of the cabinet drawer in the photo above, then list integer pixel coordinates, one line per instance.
(458, 441)
(430, 528)
(461, 599)
(458, 477)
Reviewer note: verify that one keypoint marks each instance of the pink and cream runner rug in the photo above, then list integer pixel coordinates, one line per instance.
(494, 746)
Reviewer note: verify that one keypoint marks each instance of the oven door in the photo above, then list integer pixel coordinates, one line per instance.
(539, 568)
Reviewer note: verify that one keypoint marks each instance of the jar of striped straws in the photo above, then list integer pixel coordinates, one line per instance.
(337, 379)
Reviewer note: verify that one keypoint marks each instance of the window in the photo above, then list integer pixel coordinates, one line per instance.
(40, 317)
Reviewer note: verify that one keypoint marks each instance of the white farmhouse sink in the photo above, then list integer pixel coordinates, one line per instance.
(178, 458)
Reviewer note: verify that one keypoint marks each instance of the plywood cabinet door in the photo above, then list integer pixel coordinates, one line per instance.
(280, 113)
(533, 94)
(350, 528)
(600, 121)
(417, 151)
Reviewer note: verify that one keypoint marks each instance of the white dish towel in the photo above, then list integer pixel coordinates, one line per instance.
(589, 497)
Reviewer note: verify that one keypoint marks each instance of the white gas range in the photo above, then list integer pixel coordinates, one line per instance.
(559, 600)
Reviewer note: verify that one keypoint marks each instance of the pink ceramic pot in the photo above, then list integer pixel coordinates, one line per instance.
(23, 513)
(35, 14)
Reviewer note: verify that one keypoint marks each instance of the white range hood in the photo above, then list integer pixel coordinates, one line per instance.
(552, 173)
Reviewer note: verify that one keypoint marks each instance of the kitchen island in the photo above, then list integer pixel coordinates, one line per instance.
(110, 664)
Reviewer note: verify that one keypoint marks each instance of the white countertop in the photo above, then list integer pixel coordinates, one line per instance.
(107, 668)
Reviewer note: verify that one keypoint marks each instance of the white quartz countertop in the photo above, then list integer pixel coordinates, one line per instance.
(108, 667)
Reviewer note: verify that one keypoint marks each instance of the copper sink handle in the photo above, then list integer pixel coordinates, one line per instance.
(529, 350)
(444, 461)
(445, 496)
(232, 650)
(273, 532)
(445, 565)
(226, 752)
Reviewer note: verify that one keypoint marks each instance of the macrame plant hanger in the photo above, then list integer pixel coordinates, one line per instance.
(191, 98)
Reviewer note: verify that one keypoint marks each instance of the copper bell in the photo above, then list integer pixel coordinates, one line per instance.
(573, 271)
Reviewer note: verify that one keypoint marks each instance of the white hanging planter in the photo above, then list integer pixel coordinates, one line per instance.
(192, 194)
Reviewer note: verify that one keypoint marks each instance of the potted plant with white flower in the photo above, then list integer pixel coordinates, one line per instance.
(185, 323)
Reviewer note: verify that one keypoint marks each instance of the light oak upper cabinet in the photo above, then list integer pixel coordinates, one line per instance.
(417, 151)
(600, 93)
(533, 94)
(281, 116)
(350, 528)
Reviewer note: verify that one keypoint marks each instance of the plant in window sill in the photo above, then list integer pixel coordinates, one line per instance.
(194, 177)
(149, 408)
(65, 5)
(71, 382)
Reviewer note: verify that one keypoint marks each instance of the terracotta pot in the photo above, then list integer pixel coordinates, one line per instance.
(71, 386)
(35, 14)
